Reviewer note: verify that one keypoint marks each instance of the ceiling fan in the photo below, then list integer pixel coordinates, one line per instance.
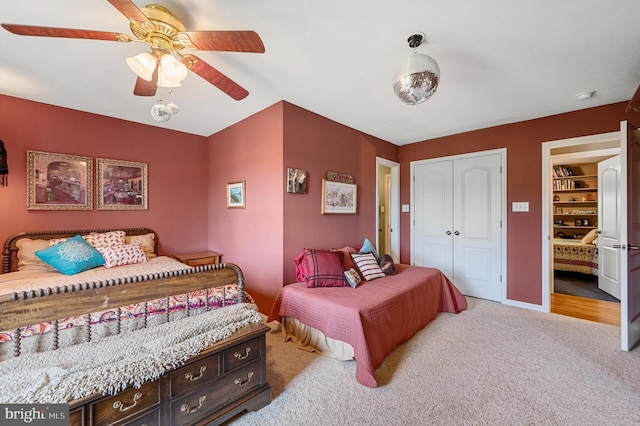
(155, 26)
(634, 102)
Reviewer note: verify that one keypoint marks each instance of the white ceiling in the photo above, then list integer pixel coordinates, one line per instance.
(501, 61)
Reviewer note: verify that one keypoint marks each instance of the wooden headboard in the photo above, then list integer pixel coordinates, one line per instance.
(10, 251)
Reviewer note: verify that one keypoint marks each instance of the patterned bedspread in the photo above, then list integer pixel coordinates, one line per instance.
(156, 310)
(573, 256)
(376, 316)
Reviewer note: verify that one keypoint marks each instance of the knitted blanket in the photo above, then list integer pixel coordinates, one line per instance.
(116, 362)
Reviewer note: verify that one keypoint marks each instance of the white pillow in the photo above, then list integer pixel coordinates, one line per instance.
(27, 259)
(105, 239)
(147, 242)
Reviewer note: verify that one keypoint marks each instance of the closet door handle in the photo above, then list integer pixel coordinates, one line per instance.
(456, 233)
(448, 232)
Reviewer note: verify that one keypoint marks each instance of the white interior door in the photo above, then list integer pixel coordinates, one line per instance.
(477, 218)
(433, 216)
(630, 259)
(387, 214)
(457, 219)
(610, 230)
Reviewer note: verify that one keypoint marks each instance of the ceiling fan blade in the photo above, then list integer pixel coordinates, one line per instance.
(28, 30)
(129, 10)
(147, 88)
(214, 77)
(229, 41)
(634, 103)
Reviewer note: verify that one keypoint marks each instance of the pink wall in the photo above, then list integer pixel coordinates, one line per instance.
(318, 145)
(251, 237)
(524, 181)
(264, 238)
(177, 171)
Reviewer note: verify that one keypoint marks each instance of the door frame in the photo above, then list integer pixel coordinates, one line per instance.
(394, 205)
(547, 253)
(503, 208)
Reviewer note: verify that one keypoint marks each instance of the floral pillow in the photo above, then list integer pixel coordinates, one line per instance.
(124, 254)
(105, 239)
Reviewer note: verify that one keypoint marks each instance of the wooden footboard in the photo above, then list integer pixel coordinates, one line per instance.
(32, 307)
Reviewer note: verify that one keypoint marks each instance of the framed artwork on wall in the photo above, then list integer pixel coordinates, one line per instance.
(338, 197)
(296, 181)
(121, 185)
(236, 196)
(58, 181)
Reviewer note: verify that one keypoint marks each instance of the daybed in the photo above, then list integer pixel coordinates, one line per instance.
(371, 319)
(575, 256)
(126, 362)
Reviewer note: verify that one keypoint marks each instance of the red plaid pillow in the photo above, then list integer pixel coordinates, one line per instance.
(320, 268)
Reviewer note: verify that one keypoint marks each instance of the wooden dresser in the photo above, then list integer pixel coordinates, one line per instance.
(210, 388)
(201, 258)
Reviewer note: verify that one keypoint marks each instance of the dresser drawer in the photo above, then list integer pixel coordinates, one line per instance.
(185, 378)
(125, 404)
(189, 408)
(152, 418)
(242, 353)
(76, 417)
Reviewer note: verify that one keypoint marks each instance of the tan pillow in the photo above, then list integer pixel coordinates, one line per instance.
(147, 242)
(27, 259)
(590, 237)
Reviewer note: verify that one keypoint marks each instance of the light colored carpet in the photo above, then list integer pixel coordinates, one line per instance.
(490, 365)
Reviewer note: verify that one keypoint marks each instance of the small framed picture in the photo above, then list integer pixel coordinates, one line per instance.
(338, 197)
(236, 196)
(578, 222)
(585, 222)
(58, 181)
(296, 181)
(121, 185)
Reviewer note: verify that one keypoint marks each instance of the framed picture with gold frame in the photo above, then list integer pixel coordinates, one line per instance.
(339, 197)
(236, 196)
(58, 181)
(121, 185)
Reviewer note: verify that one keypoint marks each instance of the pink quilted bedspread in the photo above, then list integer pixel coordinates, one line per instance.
(375, 317)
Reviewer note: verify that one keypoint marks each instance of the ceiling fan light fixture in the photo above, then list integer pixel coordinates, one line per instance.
(160, 112)
(172, 69)
(165, 82)
(418, 76)
(143, 64)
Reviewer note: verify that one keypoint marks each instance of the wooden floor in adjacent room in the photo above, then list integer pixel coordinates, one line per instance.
(589, 309)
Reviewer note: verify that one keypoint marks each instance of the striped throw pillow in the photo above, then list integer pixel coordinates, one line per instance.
(367, 265)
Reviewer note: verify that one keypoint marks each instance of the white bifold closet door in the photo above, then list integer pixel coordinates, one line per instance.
(457, 222)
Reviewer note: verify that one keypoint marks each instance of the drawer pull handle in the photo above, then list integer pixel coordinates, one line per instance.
(193, 378)
(120, 406)
(241, 382)
(246, 354)
(186, 409)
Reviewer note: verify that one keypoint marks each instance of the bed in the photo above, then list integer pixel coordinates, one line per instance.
(157, 341)
(367, 322)
(573, 255)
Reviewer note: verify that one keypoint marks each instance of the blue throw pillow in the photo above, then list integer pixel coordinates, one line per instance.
(367, 247)
(72, 256)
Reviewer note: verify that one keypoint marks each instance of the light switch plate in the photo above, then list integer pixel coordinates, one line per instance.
(520, 206)
(405, 208)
